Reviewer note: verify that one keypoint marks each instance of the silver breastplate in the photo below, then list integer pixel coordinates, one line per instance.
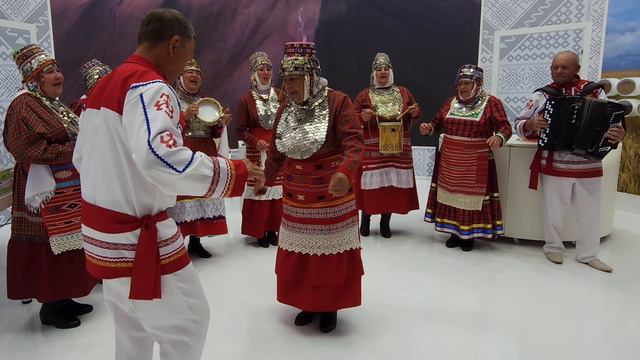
(267, 107)
(183, 104)
(471, 111)
(387, 103)
(302, 130)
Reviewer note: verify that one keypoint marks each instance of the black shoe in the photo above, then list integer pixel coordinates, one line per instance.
(467, 245)
(385, 229)
(304, 318)
(51, 313)
(263, 242)
(272, 237)
(453, 241)
(328, 321)
(195, 247)
(75, 308)
(365, 223)
(26, 301)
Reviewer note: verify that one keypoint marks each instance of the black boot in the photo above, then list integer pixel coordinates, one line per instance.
(467, 245)
(328, 321)
(75, 308)
(453, 241)
(195, 247)
(272, 237)
(263, 241)
(52, 313)
(385, 230)
(365, 222)
(304, 318)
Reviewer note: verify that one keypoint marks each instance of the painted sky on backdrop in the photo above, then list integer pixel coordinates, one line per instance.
(622, 39)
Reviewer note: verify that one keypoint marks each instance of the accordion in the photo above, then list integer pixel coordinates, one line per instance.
(579, 125)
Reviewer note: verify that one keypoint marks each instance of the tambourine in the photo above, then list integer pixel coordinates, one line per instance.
(210, 114)
(209, 111)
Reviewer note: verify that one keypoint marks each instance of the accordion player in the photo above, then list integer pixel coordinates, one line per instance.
(579, 124)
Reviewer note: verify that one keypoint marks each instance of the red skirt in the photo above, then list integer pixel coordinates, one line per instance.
(33, 271)
(389, 200)
(387, 182)
(207, 223)
(320, 283)
(204, 227)
(260, 216)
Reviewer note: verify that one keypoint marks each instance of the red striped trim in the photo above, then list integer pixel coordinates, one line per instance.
(240, 176)
(573, 173)
(215, 178)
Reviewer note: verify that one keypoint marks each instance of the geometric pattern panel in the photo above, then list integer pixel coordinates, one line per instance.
(524, 62)
(21, 22)
(424, 158)
(17, 10)
(528, 33)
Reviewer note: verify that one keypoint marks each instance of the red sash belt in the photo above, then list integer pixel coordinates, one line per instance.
(536, 166)
(145, 276)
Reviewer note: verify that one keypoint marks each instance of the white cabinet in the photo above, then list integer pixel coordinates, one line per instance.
(522, 207)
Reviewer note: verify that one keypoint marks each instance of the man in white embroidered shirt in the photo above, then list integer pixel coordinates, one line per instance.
(569, 181)
(132, 165)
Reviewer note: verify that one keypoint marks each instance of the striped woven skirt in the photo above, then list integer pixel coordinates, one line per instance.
(466, 223)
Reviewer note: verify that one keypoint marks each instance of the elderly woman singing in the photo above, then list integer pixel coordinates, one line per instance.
(463, 198)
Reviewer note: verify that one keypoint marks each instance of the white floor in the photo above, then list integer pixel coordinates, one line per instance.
(420, 301)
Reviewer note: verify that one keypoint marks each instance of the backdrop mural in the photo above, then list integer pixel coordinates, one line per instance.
(417, 35)
(427, 41)
(519, 39)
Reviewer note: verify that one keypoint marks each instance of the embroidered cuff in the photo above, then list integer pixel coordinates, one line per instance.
(238, 177)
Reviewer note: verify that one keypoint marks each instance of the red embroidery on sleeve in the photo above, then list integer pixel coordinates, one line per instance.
(164, 103)
(529, 105)
(168, 140)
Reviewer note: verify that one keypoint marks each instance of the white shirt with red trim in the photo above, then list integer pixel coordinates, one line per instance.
(131, 160)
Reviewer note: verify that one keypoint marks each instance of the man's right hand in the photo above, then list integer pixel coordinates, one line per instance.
(367, 115)
(536, 124)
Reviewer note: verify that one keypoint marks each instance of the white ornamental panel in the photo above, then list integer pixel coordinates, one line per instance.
(21, 22)
(519, 38)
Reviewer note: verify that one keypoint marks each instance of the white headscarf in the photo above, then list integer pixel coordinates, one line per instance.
(376, 84)
(258, 84)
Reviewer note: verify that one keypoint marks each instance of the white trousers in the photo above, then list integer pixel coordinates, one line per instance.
(582, 197)
(178, 322)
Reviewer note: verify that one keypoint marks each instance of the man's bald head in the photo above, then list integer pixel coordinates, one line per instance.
(568, 55)
(565, 67)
